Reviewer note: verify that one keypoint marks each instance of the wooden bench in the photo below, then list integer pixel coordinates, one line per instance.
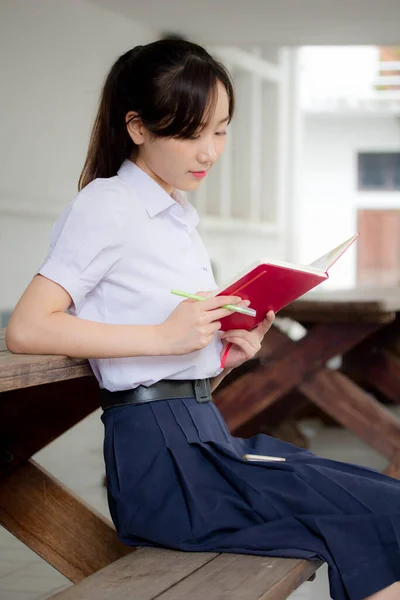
(167, 575)
(41, 397)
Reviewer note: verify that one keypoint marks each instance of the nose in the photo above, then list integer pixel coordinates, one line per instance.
(207, 153)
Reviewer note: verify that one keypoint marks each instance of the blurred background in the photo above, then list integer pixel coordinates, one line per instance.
(313, 156)
(313, 153)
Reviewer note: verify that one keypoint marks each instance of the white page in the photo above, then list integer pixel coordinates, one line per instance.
(327, 260)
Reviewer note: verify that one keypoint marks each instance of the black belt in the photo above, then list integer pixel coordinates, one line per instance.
(166, 389)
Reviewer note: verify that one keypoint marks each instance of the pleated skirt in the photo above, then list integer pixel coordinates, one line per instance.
(176, 478)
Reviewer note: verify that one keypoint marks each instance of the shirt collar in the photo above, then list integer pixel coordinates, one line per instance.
(156, 199)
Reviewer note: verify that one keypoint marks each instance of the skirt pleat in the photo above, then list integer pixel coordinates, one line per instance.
(176, 478)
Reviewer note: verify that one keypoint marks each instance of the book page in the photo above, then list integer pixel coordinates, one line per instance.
(327, 260)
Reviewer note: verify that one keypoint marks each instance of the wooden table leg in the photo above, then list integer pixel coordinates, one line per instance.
(284, 369)
(33, 417)
(355, 409)
(376, 367)
(302, 366)
(54, 522)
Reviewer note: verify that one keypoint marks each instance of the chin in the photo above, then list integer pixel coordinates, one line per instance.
(189, 187)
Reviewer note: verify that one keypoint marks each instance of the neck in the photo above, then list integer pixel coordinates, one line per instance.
(139, 162)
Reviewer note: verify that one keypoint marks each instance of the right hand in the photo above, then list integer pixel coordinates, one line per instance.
(192, 324)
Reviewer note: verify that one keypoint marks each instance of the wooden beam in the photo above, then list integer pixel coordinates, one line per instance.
(182, 575)
(48, 411)
(287, 368)
(356, 410)
(55, 523)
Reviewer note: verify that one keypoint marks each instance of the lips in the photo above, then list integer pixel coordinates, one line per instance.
(199, 174)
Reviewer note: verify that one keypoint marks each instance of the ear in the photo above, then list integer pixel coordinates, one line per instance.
(134, 127)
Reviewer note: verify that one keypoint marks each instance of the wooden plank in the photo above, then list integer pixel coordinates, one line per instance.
(285, 369)
(54, 522)
(142, 575)
(152, 573)
(243, 577)
(24, 370)
(353, 305)
(48, 411)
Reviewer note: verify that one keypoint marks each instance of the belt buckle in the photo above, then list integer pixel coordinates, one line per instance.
(202, 390)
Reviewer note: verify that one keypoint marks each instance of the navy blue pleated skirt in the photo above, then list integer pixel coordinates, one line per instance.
(176, 478)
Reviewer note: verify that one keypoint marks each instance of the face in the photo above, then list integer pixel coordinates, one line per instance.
(182, 164)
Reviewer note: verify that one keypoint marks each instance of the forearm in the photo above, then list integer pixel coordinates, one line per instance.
(61, 333)
(215, 381)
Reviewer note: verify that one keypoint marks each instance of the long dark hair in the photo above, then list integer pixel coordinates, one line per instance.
(170, 83)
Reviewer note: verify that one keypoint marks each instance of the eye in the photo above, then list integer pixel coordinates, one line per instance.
(221, 133)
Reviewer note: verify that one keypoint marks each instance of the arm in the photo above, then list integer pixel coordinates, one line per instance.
(40, 325)
(215, 381)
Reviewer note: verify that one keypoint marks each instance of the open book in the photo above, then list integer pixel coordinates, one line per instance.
(273, 284)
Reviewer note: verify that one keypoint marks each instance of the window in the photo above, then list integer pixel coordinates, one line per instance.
(379, 171)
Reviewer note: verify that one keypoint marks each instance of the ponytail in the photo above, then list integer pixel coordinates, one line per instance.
(109, 141)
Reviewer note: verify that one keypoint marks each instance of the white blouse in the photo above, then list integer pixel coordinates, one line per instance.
(118, 249)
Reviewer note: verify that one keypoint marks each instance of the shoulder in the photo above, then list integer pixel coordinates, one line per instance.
(102, 200)
(99, 211)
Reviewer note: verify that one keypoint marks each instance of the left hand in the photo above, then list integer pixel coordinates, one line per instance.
(245, 344)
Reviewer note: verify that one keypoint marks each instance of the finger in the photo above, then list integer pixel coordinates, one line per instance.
(218, 301)
(265, 325)
(213, 327)
(243, 333)
(244, 345)
(217, 313)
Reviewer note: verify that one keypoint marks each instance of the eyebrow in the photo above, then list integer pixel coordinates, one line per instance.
(203, 125)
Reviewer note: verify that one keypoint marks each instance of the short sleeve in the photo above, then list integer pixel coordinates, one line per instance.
(86, 241)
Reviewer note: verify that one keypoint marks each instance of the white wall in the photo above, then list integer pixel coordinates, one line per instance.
(53, 60)
(326, 211)
(231, 252)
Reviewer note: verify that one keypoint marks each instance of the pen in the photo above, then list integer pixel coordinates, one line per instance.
(261, 457)
(240, 309)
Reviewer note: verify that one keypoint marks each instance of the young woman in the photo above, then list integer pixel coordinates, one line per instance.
(176, 477)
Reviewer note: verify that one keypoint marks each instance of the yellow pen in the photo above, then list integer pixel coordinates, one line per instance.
(240, 309)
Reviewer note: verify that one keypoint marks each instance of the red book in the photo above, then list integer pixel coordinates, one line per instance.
(273, 284)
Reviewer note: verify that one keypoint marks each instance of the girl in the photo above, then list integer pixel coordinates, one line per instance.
(175, 476)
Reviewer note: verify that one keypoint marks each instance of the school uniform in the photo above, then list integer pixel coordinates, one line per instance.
(176, 477)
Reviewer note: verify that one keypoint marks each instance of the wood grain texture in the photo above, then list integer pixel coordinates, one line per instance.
(142, 575)
(240, 577)
(54, 522)
(355, 409)
(362, 304)
(25, 370)
(30, 418)
(170, 575)
(285, 369)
